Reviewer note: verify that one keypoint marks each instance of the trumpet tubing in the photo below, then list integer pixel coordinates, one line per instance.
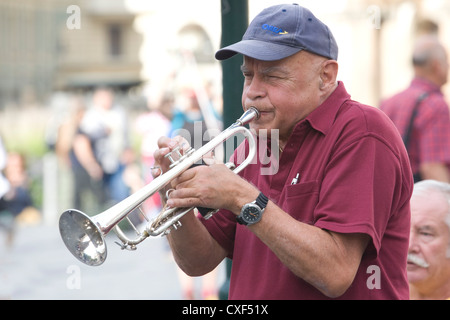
(84, 236)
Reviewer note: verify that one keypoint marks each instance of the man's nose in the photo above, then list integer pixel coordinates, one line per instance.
(413, 243)
(256, 89)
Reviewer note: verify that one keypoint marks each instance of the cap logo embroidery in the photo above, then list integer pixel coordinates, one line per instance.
(273, 29)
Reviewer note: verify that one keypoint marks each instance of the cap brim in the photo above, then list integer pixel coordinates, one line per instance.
(257, 49)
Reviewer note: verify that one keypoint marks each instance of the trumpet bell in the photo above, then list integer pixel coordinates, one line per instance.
(82, 237)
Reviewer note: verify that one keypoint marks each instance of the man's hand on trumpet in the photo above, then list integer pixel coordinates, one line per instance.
(212, 186)
(167, 145)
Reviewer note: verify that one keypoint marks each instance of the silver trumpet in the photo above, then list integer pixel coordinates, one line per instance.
(84, 236)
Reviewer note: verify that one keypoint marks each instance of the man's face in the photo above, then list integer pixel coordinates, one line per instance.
(284, 91)
(429, 240)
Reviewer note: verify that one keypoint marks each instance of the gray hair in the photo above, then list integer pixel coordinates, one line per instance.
(437, 186)
(426, 49)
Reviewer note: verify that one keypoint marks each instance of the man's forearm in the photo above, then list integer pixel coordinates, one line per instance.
(194, 249)
(326, 260)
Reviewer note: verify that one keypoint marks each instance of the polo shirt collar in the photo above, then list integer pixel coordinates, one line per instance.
(322, 118)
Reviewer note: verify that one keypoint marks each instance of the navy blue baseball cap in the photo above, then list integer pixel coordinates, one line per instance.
(281, 31)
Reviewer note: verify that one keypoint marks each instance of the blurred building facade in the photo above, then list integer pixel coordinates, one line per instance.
(126, 43)
(102, 49)
(49, 45)
(28, 47)
(179, 42)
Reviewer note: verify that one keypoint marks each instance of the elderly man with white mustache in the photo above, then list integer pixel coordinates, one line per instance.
(429, 248)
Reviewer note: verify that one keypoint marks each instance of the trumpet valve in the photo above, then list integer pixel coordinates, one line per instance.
(174, 226)
(177, 225)
(175, 156)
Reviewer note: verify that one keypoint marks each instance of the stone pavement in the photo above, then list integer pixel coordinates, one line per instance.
(38, 266)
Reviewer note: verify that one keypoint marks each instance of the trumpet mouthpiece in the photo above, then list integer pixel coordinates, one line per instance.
(248, 116)
(253, 109)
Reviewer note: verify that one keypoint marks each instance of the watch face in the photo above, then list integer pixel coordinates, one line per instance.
(251, 214)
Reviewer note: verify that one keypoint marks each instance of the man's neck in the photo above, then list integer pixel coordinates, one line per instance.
(327, 93)
(428, 77)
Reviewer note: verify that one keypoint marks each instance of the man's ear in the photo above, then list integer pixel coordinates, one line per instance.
(328, 74)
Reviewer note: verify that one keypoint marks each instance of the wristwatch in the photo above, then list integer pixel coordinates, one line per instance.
(251, 213)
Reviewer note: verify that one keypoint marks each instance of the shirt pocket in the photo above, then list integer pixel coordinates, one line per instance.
(301, 200)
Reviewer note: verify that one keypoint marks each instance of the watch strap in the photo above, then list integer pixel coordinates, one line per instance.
(241, 221)
(262, 200)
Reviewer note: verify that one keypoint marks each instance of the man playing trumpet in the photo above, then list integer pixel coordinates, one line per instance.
(333, 221)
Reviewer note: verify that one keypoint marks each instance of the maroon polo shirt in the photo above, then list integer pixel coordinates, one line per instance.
(353, 177)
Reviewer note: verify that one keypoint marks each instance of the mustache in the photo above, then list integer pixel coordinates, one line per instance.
(417, 260)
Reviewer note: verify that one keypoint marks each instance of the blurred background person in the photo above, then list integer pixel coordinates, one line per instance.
(68, 127)
(150, 125)
(102, 145)
(429, 248)
(68, 138)
(188, 119)
(4, 184)
(88, 191)
(16, 203)
(421, 113)
(6, 218)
